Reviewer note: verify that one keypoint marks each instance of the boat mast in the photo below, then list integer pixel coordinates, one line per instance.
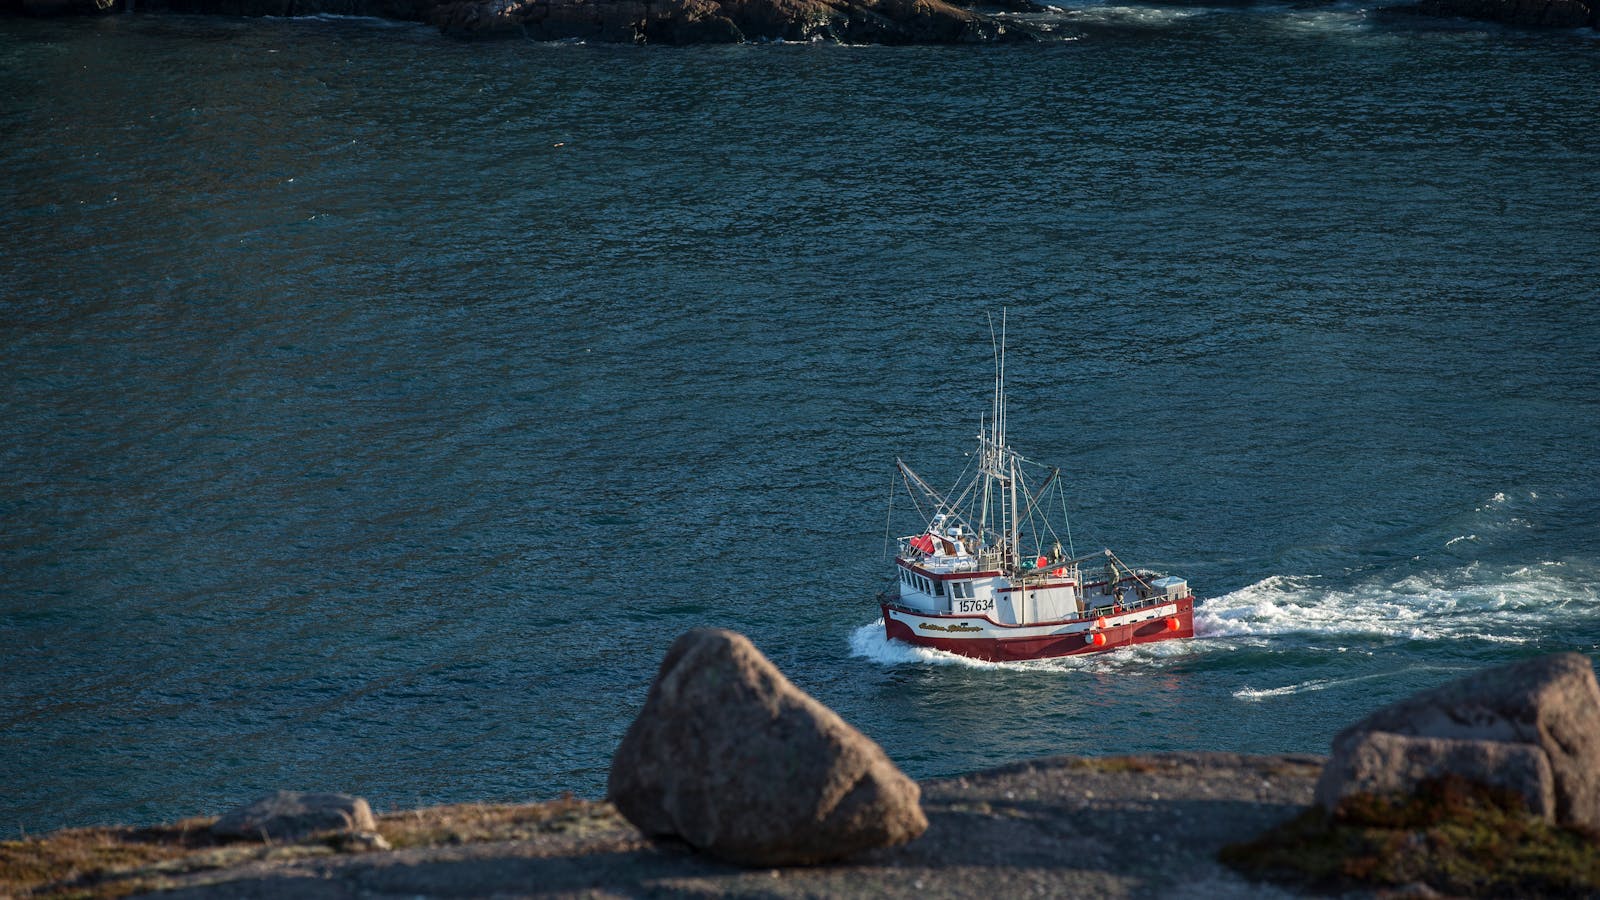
(998, 462)
(1013, 553)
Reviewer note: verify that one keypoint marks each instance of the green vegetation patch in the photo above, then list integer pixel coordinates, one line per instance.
(1137, 765)
(1456, 837)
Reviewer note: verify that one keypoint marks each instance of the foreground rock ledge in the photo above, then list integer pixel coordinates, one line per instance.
(1531, 726)
(1058, 827)
(732, 758)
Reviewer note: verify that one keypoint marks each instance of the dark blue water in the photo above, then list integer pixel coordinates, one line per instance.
(376, 408)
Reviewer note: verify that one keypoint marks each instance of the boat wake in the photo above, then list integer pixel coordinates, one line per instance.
(1447, 594)
(1515, 605)
(1125, 15)
(1317, 684)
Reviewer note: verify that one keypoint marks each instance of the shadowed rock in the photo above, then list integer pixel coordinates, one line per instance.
(291, 815)
(733, 759)
(1551, 703)
(725, 21)
(1377, 762)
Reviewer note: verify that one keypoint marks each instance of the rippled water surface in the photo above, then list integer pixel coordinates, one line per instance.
(375, 408)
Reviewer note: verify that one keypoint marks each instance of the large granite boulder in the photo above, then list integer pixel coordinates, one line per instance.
(733, 759)
(292, 815)
(1378, 762)
(1551, 703)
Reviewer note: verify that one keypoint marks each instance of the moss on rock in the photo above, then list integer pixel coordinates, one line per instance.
(1456, 837)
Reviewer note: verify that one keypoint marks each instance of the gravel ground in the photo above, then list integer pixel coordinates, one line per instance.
(1131, 826)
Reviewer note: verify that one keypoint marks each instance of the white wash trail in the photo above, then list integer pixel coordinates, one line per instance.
(1506, 604)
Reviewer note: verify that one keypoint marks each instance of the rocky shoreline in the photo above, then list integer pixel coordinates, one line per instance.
(682, 22)
(734, 782)
(1063, 826)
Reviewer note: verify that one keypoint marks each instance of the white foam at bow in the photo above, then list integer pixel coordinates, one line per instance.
(870, 642)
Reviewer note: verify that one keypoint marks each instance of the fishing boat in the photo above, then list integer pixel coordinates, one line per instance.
(988, 576)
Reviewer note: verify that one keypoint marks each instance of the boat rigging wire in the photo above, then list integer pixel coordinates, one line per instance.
(1061, 492)
(888, 520)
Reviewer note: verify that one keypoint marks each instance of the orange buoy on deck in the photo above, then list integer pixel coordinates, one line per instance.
(1100, 622)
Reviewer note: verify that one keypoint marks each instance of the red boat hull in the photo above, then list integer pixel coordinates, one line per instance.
(1004, 649)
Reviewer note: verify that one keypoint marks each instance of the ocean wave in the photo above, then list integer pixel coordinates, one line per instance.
(342, 18)
(1316, 684)
(1140, 16)
(1337, 19)
(1323, 684)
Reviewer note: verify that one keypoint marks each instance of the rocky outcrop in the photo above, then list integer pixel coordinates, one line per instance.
(1378, 762)
(1536, 13)
(733, 759)
(292, 815)
(725, 21)
(1550, 704)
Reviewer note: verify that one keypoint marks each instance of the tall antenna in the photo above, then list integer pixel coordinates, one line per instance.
(999, 464)
(997, 346)
(1000, 388)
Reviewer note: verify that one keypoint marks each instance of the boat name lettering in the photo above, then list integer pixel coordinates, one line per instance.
(959, 626)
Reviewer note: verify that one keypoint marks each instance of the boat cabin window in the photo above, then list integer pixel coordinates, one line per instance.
(961, 590)
(918, 582)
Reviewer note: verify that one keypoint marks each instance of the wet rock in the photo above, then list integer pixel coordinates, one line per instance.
(292, 815)
(721, 21)
(733, 759)
(1551, 702)
(1377, 762)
